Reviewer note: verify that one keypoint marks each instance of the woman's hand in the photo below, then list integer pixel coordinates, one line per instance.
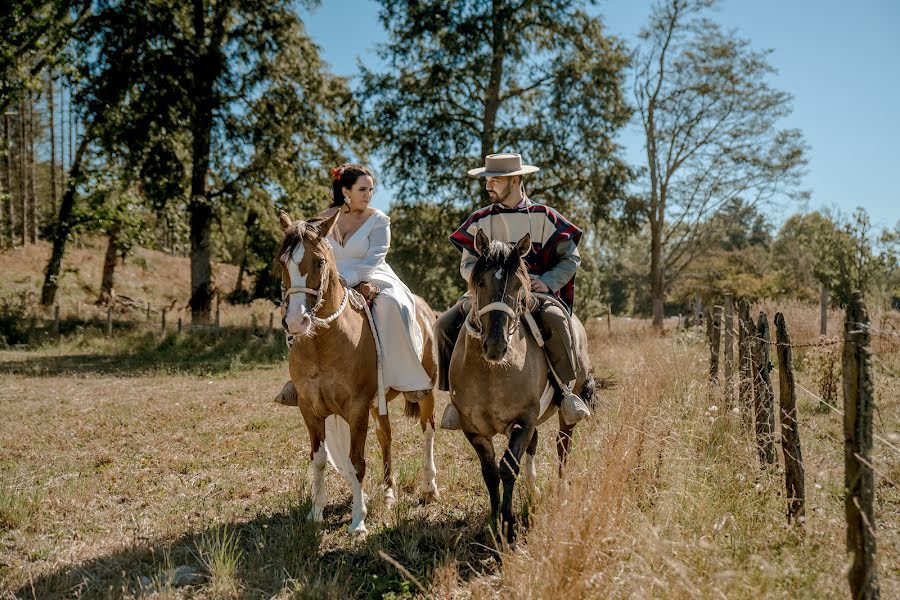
(368, 290)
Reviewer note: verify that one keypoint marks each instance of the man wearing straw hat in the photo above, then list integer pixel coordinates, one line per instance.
(551, 264)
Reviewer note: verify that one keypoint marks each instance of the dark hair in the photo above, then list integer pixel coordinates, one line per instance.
(344, 177)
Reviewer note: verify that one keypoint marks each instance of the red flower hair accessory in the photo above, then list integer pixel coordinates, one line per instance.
(337, 172)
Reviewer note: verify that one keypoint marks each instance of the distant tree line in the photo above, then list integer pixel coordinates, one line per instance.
(184, 126)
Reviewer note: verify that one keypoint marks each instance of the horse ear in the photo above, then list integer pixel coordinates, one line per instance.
(284, 220)
(523, 246)
(327, 225)
(482, 243)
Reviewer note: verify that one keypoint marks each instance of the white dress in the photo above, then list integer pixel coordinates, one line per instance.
(361, 258)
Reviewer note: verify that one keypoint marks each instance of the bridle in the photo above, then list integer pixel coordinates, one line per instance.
(319, 294)
(514, 314)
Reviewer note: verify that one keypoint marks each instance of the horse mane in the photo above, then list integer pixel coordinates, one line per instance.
(500, 255)
(293, 236)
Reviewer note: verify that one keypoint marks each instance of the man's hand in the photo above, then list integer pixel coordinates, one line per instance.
(539, 286)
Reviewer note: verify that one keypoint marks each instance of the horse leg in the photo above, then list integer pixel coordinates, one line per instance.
(485, 450)
(509, 471)
(530, 467)
(429, 471)
(319, 458)
(383, 431)
(359, 424)
(563, 439)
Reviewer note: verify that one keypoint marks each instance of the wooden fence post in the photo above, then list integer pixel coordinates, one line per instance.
(698, 311)
(179, 325)
(714, 333)
(823, 311)
(163, 326)
(728, 340)
(859, 481)
(109, 321)
(270, 333)
(794, 473)
(745, 364)
(764, 397)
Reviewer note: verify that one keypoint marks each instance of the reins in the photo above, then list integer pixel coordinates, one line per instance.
(320, 322)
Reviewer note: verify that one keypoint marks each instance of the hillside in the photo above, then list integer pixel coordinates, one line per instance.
(146, 276)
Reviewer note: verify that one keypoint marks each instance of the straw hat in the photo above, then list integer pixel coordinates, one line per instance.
(503, 165)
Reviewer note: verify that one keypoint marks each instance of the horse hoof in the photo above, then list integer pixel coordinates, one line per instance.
(359, 530)
(430, 496)
(315, 516)
(390, 498)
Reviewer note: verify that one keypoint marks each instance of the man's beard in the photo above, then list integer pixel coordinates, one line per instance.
(501, 198)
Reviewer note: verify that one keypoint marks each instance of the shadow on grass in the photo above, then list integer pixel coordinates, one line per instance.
(282, 554)
(135, 351)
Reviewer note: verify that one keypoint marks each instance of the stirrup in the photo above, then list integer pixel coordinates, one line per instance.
(450, 420)
(573, 409)
(416, 395)
(288, 395)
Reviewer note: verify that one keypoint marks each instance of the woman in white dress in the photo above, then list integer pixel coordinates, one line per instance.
(360, 241)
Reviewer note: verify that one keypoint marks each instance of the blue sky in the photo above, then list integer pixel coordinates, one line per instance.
(841, 64)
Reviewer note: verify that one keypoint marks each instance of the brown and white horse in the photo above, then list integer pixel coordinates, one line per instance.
(499, 374)
(333, 364)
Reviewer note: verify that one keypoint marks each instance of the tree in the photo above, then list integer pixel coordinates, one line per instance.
(467, 79)
(709, 120)
(841, 253)
(236, 91)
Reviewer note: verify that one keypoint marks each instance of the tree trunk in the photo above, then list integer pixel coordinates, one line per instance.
(54, 193)
(32, 195)
(207, 67)
(64, 170)
(23, 184)
(10, 207)
(5, 240)
(492, 93)
(109, 266)
(657, 276)
(59, 233)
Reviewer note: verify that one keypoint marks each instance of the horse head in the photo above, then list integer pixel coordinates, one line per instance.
(500, 288)
(306, 266)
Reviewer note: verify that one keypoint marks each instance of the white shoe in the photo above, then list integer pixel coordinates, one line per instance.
(573, 409)
(450, 420)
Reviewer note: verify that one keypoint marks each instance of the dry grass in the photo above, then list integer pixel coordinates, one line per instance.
(111, 479)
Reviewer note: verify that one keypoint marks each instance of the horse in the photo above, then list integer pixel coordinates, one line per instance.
(332, 363)
(499, 374)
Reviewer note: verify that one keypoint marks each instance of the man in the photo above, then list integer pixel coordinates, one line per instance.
(551, 263)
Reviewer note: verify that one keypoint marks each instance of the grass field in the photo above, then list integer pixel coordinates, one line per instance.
(142, 466)
(131, 465)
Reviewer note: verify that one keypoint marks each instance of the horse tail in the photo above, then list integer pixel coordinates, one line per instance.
(412, 410)
(592, 386)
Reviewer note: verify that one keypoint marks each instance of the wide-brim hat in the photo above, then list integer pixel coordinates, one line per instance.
(503, 165)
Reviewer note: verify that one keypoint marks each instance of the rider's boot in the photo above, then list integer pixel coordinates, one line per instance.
(573, 407)
(450, 420)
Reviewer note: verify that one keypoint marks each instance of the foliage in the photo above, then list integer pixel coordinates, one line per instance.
(17, 320)
(466, 79)
(843, 254)
(710, 122)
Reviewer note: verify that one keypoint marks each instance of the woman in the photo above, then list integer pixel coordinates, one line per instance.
(360, 242)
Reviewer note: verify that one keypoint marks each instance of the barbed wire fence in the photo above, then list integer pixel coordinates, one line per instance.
(756, 404)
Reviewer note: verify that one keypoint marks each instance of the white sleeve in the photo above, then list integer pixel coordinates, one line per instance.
(379, 242)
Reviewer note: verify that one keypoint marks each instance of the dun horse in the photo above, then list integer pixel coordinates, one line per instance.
(499, 374)
(333, 366)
